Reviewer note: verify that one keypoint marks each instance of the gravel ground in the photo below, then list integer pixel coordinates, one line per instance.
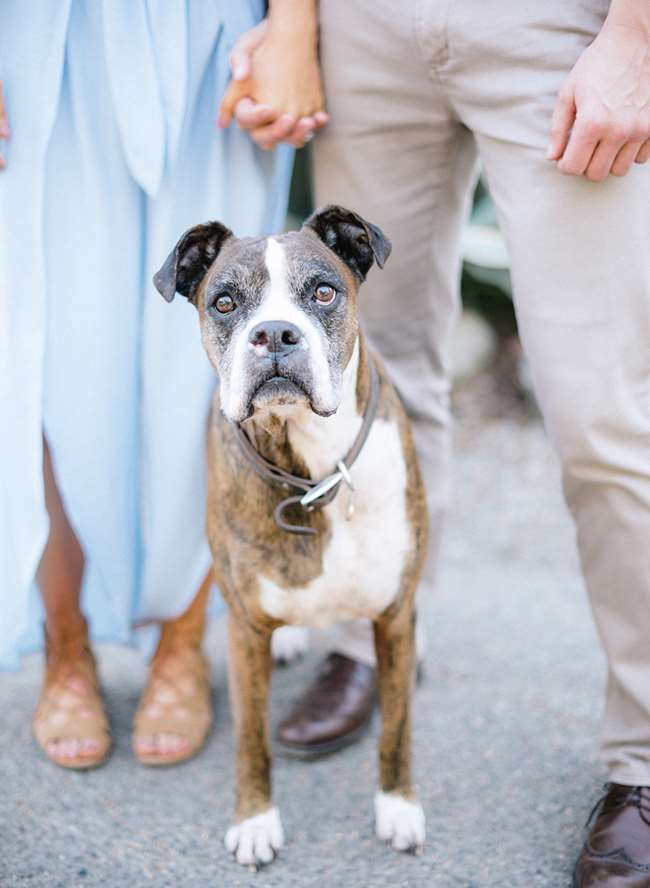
(504, 741)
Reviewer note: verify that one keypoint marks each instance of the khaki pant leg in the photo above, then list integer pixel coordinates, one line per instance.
(581, 275)
(395, 153)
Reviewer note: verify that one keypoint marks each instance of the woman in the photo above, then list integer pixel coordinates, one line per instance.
(105, 391)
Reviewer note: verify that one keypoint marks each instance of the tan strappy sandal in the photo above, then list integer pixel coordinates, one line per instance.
(67, 714)
(175, 704)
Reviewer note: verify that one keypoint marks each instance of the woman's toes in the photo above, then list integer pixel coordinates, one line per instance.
(88, 748)
(165, 744)
(66, 750)
(145, 745)
(171, 744)
(52, 749)
(182, 743)
(62, 749)
(58, 749)
(72, 749)
(161, 745)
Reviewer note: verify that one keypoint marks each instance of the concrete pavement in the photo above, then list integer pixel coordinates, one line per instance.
(505, 730)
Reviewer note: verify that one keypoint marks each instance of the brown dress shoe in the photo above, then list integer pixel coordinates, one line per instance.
(334, 712)
(617, 851)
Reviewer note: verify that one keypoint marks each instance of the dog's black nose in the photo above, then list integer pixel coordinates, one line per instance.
(279, 337)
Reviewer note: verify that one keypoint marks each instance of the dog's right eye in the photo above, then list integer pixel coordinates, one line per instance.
(324, 294)
(224, 303)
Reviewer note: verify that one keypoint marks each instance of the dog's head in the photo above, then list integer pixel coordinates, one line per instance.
(278, 314)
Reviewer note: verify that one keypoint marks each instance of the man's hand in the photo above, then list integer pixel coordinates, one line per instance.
(275, 94)
(5, 132)
(601, 123)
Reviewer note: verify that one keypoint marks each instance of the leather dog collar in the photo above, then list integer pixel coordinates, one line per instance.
(314, 494)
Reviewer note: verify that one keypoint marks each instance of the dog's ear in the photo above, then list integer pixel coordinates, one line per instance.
(188, 262)
(357, 242)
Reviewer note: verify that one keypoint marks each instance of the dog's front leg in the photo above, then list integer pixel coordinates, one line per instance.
(399, 817)
(256, 835)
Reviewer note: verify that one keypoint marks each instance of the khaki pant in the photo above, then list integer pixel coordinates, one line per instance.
(417, 92)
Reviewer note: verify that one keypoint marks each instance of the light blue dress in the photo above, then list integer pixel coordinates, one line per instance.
(114, 154)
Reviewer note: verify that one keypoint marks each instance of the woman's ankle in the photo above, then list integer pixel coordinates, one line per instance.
(186, 631)
(175, 637)
(66, 642)
(64, 626)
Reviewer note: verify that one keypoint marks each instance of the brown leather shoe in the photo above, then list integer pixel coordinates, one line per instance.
(617, 851)
(334, 712)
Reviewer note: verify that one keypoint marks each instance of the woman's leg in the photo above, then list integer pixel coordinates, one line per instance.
(69, 722)
(60, 571)
(175, 713)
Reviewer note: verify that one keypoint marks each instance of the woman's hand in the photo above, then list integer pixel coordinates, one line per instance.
(275, 94)
(5, 132)
(601, 123)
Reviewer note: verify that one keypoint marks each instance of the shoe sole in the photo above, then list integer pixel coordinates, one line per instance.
(574, 880)
(319, 750)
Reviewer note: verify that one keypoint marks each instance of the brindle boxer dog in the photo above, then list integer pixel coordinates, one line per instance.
(316, 510)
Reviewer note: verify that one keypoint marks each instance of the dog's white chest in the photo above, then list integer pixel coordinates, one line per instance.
(365, 555)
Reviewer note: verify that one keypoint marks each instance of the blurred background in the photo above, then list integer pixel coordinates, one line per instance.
(486, 345)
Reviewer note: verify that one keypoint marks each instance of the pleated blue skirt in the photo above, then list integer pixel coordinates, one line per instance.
(114, 154)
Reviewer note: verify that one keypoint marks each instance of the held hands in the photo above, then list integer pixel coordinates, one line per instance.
(5, 132)
(276, 92)
(601, 123)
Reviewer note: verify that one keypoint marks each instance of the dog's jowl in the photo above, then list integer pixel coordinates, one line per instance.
(315, 507)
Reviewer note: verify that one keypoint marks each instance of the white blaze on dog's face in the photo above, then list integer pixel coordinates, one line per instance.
(292, 327)
(278, 314)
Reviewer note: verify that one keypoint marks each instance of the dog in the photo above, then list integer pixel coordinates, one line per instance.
(316, 510)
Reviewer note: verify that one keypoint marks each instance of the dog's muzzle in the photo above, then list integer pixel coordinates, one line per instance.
(278, 366)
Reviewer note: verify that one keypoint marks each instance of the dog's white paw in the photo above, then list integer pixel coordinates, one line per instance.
(256, 840)
(288, 643)
(399, 821)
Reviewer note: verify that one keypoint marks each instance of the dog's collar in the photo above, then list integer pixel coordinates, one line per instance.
(315, 494)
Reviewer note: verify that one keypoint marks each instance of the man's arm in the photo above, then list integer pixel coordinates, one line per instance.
(276, 91)
(601, 123)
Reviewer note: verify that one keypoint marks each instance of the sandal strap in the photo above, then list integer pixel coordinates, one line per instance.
(178, 690)
(69, 646)
(85, 721)
(62, 713)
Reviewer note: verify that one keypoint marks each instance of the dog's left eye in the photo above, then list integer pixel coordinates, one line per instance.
(324, 294)
(224, 303)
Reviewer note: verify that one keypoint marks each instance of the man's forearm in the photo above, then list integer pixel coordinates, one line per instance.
(630, 14)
